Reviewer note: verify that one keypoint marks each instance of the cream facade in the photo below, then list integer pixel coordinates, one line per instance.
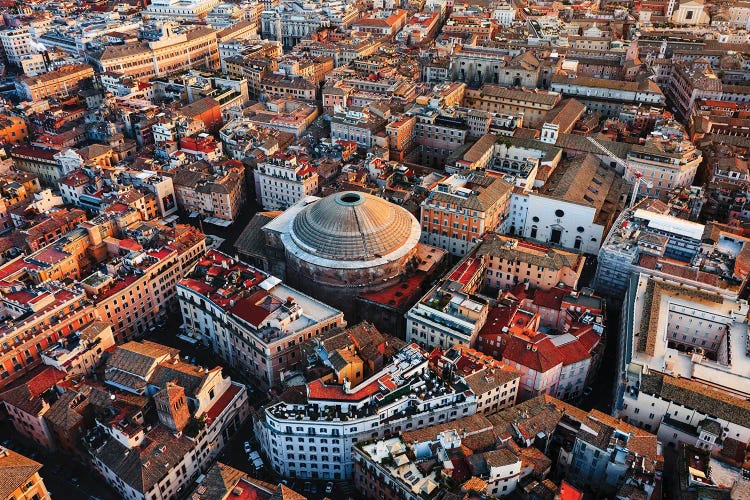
(262, 342)
(173, 52)
(283, 181)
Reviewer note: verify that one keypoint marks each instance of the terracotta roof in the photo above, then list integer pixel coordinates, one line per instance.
(565, 114)
(26, 396)
(500, 458)
(539, 354)
(66, 412)
(534, 96)
(143, 467)
(189, 377)
(473, 424)
(15, 470)
(699, 396)
(487, 379)
(534, 458)
(474, 484)
(527, 419)
(535, 255)
(199, 107)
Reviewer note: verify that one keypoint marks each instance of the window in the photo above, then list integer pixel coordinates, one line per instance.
(559, 213)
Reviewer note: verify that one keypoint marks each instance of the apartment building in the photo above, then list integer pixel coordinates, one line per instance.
(79, 353)
(509, 262)
(401, 133)
(517, 333)
(17, 44)
(283, 179)
(668, 160)
(50, 228)
(386, 22)
(191, 10)
(27, 404)
(197, 409)
(492, 382)
(161, 186)
(680, 410)
(514, 448)
(314, 438)
(275, 86)
(690, 81)
(216, 192)
(608, 452)
(283, 115)
(385, 467)
(456, 309)
(164, 50)
(39, 316)
(739, 15)
(534, 104)
(608, 96)
(21, 479)
(437, 134)
(252, 321)
(13, 129)
(136, 292)
(462, 208)
(61, 82)
(356, 125)
(647, 240)
(45, 163)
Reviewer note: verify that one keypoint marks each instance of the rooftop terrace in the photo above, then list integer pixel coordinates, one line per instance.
(254, 297)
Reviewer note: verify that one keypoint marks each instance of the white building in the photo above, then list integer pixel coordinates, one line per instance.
(560, 222)
(411, 466)
(254, 322)
(79, 353)
(647, 240)
(608, 96)
(686, 331)
(739, 15)
(314, 439)
(680, 410)
(573, 210)
(33, 64)
(282, 180)
(191, 10)
(17, 43)
(691, 13)
(505, 13)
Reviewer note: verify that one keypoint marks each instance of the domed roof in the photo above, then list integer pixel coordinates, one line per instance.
(353, 226)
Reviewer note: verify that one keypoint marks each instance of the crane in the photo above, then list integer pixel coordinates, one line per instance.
(637, 174)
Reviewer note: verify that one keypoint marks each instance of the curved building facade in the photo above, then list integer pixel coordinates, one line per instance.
(349, 243)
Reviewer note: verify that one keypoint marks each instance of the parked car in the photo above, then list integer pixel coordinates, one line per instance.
(587, 391)
(307, 487)
(329, 488)
(248, 448)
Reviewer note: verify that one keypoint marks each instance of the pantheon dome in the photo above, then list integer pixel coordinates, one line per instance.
(348, 243)
(355, 228)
